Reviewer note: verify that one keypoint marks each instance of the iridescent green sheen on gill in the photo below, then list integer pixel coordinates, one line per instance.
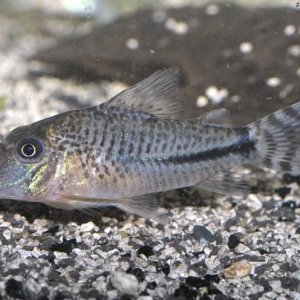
(37, 185)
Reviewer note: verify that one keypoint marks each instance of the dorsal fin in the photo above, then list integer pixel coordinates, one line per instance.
(216, 117)
(158, 94)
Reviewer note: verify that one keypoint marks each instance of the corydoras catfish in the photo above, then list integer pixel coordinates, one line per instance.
(134, 145)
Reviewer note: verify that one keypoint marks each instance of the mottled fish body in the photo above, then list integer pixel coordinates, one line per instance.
(134, 145)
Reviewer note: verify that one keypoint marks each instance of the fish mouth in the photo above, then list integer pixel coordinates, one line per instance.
(18, 188)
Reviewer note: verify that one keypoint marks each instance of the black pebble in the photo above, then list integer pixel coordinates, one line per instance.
(74, 274)
(290, 204)
(285, 214)
(288, 178)
(139, 274)
(151, 285)
(53, 274)
(201, 232)
(90, 294)
(17, 223)
(205, 297)
(186, 292)
(194, 281)
(298, 230)
(146, 250)
(263, 251)
(263, 282)
(61, 296)
(125, 257)
(50, 257)
(102, 241)
(66, 246)
(14, 289)
(219, 238)
(64, 263)
(262, 268)
(125, 297)
(289, 283)
(48, 242)
(229, 223)
(283, 191)
(198, 282)
(289, 267)
(223, 297)
(52, 230)
(233, 241)
(215, 278)
(163, 267)
(12, 272)
(42, 298)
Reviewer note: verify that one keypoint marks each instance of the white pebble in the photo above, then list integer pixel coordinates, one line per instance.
(7, 234)
(235, 98)
(201, 101)
(294, 50)
(176, 26)
(211, 91)
(216, 96)
(112, 294)
(286, 90)
(107, 230)
(253, 202)
(271, 295)
(77, 251)
(24, 253)
(125, 283)
(145, 298)
(273, 81)
(298, 72)
(241, 248)
(212, 9)
(132, 44)
(246, 47)
(159, 16)
(86, 227)
(289, 30)
(193, 273)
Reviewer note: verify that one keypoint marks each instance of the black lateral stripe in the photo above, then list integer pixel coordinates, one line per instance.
(243, 147)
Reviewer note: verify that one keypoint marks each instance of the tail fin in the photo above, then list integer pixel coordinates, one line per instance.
(278, 140)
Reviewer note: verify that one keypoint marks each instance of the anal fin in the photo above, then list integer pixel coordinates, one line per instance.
(231, 183)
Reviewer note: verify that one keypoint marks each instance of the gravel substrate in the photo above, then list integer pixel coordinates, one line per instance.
(215, 247)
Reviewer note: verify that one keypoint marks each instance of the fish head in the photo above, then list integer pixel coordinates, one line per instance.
(39, 162)
(27, 163)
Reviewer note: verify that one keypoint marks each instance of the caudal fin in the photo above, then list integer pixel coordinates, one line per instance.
(278, 140)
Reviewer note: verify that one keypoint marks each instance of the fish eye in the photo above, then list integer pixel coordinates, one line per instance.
(30, 149)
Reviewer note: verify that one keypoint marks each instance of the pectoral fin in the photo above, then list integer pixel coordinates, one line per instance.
(144, 206)
(217, 117)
